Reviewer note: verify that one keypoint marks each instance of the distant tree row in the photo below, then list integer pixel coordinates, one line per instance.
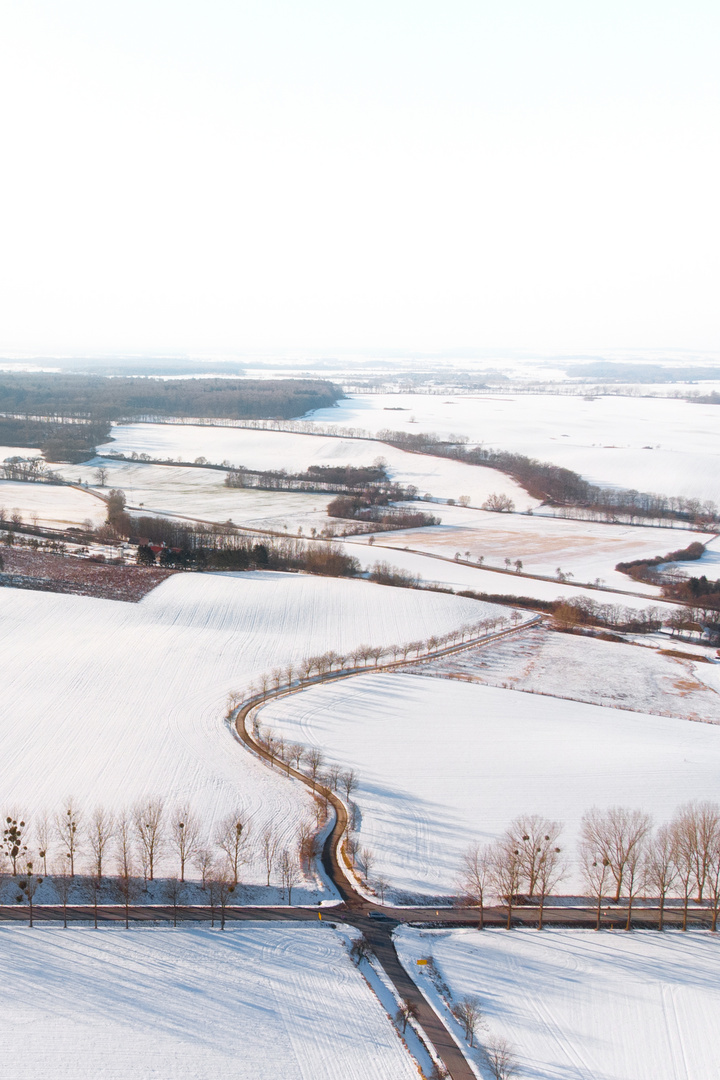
(559, 486)
(62, 397)
(619, 855)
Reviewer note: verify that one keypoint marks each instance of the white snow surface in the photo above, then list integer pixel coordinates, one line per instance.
(579, 1005)
(444, 763)
(441, 477)
(54, 504)
(456, 575)
(589, 550)
(252, 1003)
(627, 676)
(112, 703)
(651, 444)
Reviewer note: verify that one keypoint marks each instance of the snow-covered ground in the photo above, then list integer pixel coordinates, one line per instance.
(440, 477)
(588, 550)
(51, 504)
(113, 703)
(443, 763)
(627, 676)
(201, 493)
(661, 445)
(578, 1005)
(252, 1003)
(457, 576)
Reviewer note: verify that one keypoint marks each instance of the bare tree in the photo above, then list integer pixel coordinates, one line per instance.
(407, 1010)
(64, 884)
(44, 832)
(713, 883)
(367, 857)
(550, 872)
(468, 1011)
(67, 827)
(185, 836)
(29, 882)
(100, 834)
(501, 1060)
(314, 759)
(290, 872)
(683, 860)
(534, 836)
(360, 949)
(149, 826)
(174, 892)
(101, 475)
(221, 891)
(596, 871)
(231, 838)
(381, 886)
(615, 834)
(660, 869)
(700, 823)
(269, 843)
(474, 876)
(505, 870)
(333, 776)
(204, 861)
(349, 782)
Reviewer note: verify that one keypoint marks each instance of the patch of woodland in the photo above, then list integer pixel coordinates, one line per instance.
(344, 479)
(68, 440)
(643, 569)
(97, 398)
(557, 486)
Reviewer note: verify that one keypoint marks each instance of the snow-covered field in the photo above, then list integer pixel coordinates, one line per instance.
(110, 702)
(588, 550)
(440, 477)
(661, 445)
(578, 1005)
(253, 1003)
(602, 672)
(443, 763)
(201, 493)
(440, 571)
(52, 504)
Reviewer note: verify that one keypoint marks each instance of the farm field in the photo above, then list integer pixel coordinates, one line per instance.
(586, 549)
(201, 493)
(248, 1004)
(581, 1005)
(52, 504)
(444, 763)
(454, 575)
(295, 452)
(662, 445)
(625, 676)
(112, 702)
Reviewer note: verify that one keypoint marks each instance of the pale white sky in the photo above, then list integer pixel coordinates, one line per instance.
(232, 174)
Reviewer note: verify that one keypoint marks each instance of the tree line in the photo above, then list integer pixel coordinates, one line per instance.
(90, 856)
(620, 855)
(559, 486)
(63, 397)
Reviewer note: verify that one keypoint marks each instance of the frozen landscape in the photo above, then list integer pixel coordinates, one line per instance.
(255, 1003)
(579, 1005)
(442, 764)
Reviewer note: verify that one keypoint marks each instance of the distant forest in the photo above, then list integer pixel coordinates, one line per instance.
(66, 416)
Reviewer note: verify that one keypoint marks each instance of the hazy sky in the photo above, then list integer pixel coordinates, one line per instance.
(231, 174)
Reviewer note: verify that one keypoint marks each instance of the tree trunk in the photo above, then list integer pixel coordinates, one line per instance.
(629, 914)
(481, 920)
(599, 913)
(509, 913)
(540, 913)
(661, 912)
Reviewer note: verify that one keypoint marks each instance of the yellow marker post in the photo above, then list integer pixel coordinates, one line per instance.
(422, 962)
(319, 914)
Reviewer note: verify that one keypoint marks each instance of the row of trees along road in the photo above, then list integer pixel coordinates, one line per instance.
(99, 855)
(620, 854)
